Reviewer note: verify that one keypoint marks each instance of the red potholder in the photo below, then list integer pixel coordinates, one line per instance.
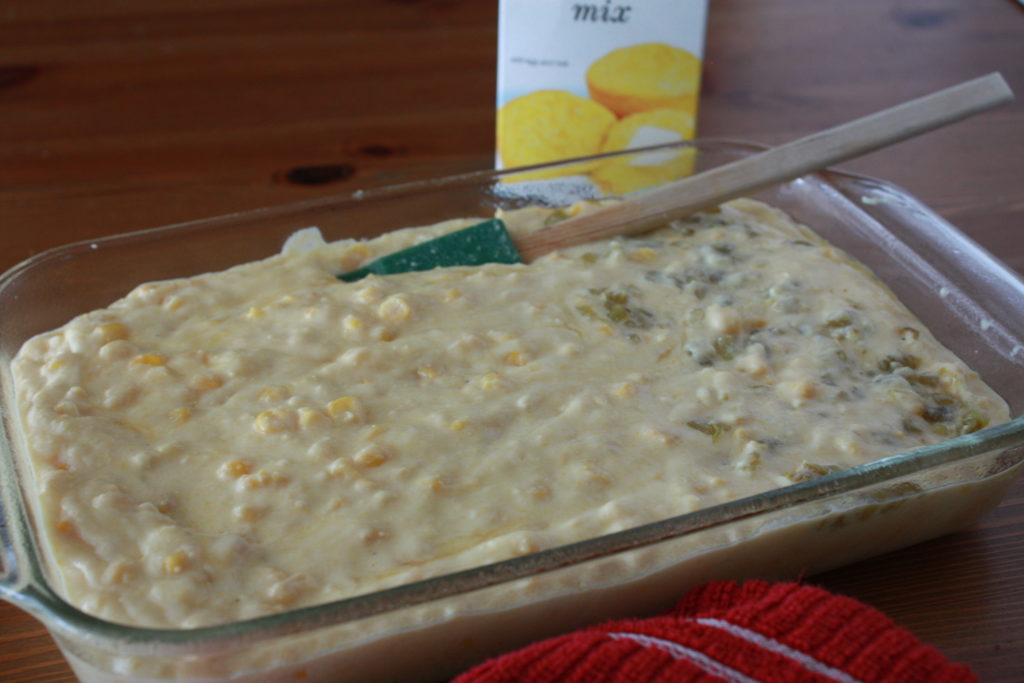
(725, 631)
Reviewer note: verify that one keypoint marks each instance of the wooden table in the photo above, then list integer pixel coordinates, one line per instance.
(116, 116)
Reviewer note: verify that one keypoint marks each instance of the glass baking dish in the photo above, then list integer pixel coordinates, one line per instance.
(972, 303)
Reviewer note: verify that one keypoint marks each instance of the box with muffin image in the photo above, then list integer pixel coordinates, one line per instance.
(580, 78)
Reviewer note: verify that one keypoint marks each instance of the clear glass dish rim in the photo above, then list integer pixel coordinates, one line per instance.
(24, 584)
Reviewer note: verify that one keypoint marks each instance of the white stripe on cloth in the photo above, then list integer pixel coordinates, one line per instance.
(806, 660)
(677, 651)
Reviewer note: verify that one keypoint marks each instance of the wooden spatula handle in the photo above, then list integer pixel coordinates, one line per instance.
(775, 165)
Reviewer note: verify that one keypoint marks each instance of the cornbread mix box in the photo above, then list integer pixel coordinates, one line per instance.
(580, 78)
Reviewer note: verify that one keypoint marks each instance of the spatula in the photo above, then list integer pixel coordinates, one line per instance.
(490, 242)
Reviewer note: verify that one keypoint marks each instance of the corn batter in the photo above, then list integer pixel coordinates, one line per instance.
(250, 441)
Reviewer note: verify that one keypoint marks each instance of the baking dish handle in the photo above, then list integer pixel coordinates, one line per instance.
(21, 578)
(8, 557)
(12, 519)
(16, 566)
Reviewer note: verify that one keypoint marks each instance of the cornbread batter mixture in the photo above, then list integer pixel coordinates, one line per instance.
(250, 441)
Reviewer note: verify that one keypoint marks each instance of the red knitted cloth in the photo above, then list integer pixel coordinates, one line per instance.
(726, 631)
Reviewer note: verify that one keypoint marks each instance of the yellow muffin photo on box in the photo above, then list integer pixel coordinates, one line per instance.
(656, 127)
(549, 125)
(572, 78)
(638, 171)
(643, 77)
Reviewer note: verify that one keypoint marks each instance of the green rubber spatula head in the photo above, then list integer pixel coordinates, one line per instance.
(490, 242)
(487, 242)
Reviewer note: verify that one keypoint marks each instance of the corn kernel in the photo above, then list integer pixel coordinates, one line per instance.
(67, 408)
(273, 421)
(117, 573)
(756, 324)
(180, 415)
(150, 359)
(206, 382)
(515, 358)
(849, 444)
(597, 476)
(723, 319)
(337, 468)
(540, 492)
(173, 303)
(659, 436)
(643, 255)
(625, 390)
(248, 513)
(754, 361)
(435, 484)
(374, 535)
(370, 294)
(386, 335)
(176, 562)
(372, 432)
(427, 372)
(347, 409)
(262, 479)
(354, 256)
(372, 456)
(288, 590)
(309, 418)
(394, 309)
(65, 526)
(255, 313)
(749, 460)
(950, 379)
(490, 380)
(458, 425)
(112, 331)
(799, 389)
(273, 393)
(351, 323)
(233, 469)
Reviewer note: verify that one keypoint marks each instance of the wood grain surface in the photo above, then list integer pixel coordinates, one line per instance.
(116, 116)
